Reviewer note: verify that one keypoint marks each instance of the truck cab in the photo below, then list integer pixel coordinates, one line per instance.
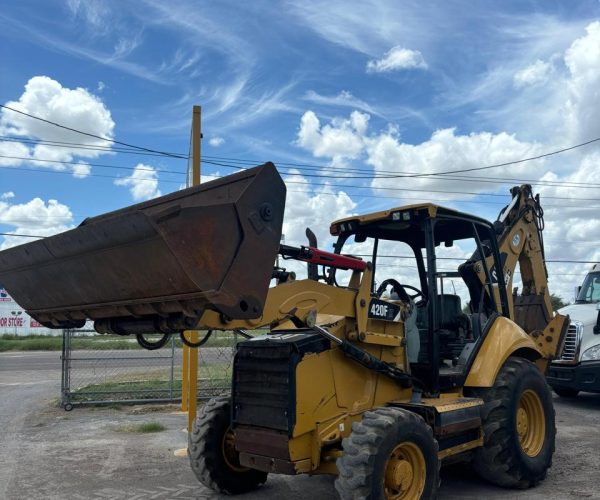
(578, 367)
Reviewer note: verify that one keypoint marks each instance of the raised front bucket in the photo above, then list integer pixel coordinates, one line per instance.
(156, 266)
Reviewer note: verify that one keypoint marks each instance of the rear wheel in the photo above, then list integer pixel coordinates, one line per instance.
(518, 427)
(390, 454)
(212, 452)
(565, 392)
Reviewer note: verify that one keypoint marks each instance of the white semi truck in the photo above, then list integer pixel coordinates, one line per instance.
(578, 367)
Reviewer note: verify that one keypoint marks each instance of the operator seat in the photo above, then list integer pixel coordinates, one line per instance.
(451, 314)
(454, 328)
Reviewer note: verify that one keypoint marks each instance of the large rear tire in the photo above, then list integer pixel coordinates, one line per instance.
(518, 427)
(390, 454)
(213, 457)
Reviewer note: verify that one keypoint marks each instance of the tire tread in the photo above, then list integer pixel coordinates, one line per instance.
(495, 461)
(356, 467)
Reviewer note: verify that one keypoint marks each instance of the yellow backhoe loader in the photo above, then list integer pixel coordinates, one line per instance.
(365, 374)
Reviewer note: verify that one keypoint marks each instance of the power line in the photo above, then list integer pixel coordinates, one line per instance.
(443, 191)
(63, 172)
(300, 166)
(103, 165)
(22, 235)
(545, 155)
(72, 145)
(281, 165)
(344, 186)
(107, 139)
(87, 164)
(498, 180)
(422, 174)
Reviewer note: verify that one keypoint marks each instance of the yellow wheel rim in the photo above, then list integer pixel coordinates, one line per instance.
(531, 423)
(230, 454)
(405, 472)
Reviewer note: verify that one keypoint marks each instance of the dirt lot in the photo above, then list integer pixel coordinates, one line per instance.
(46, 453)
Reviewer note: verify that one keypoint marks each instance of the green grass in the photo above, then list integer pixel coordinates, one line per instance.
(144, 427)
(149, 427)
(10, 342)
(34, 344)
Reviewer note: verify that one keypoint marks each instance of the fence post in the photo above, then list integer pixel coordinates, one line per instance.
(63, 381)
(172, 367)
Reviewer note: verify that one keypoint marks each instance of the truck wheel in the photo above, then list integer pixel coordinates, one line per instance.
(212, 453)
(390, 454)
(518, 427)
(565, 392)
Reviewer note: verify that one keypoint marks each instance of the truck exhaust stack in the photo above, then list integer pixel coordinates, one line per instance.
(158, 265)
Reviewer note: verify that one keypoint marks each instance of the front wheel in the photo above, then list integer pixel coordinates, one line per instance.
(212, 453)
(518, 427)
(390, 454)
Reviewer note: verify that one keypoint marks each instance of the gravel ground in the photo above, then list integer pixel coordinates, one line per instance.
(91, 453)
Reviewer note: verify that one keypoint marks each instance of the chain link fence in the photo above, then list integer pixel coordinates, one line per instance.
(105, 369)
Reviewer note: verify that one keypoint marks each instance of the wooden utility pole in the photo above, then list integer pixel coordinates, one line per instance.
(189, 382)
(196, 147)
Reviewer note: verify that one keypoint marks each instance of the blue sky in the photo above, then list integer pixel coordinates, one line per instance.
(379, 86)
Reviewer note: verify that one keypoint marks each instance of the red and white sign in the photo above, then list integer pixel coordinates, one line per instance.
(15, 321)
(12, 321)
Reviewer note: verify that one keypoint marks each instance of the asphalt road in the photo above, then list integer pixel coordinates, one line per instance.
(26, 382)
(46, 453)
(29, 361)
(48, 360)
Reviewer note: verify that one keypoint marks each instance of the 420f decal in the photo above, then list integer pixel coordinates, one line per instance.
(379, 309)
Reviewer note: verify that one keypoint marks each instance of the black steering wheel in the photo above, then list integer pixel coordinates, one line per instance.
(399, 289)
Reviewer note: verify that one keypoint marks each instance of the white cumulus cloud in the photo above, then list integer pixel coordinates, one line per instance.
(314, 207)
(216, 141)
(340, 140)
(534, 74)
(36, 217)
(395, 59)
(81, 170)
(75, 108)
(142, 183)
(583, 62)
(572, 223)
(348, 138)
(443, 151)
(13, 153)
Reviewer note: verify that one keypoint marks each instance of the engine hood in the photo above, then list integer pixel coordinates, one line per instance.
(586, 313)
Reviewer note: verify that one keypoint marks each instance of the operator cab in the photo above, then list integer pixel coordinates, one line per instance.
(430, 257)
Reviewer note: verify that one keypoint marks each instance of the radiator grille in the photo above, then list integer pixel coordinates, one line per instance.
(571, 343)
(264, 378)
(262, 387)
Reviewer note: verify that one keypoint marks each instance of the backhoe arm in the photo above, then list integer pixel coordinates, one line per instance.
(519, 227)
(520, 242)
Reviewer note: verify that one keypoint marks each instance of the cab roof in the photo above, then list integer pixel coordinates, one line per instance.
(399, 224)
